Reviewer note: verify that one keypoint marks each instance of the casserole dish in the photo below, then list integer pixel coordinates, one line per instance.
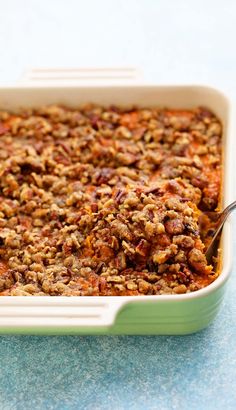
(161, 314)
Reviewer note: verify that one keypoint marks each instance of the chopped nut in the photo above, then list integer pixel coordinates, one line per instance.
(160, 228)
(143, 286)
(180, 289)
(115, 279)
(131, 285)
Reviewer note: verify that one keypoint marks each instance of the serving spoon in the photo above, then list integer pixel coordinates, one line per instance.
(216, 221)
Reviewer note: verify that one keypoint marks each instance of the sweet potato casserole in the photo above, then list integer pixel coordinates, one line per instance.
(105, 201)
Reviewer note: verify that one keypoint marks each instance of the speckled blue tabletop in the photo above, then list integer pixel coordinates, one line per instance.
(172, 42)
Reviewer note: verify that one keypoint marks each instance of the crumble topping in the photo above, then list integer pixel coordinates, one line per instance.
(105, 200)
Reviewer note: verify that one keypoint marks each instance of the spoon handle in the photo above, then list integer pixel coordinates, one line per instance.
(223, 216)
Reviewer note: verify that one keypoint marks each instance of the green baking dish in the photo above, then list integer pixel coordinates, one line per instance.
(161, 314)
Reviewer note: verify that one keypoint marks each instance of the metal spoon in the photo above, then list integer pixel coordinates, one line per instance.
(210, 236)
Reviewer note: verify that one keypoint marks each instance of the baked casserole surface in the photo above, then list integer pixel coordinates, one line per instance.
(105, 200)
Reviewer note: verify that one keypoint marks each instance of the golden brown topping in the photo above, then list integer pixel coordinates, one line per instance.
(105, 201)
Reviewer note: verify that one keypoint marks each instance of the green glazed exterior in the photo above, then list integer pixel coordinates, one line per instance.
(177, 317)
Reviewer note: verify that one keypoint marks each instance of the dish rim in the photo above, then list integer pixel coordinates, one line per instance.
(227, 234)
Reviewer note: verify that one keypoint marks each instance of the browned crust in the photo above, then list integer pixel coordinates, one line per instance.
(105, 201)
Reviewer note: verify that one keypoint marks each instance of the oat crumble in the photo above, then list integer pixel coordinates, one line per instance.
(105, 201)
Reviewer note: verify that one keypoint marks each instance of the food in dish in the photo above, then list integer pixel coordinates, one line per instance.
(105, 200)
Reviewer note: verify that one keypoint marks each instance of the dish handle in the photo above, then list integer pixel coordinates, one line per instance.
(81, 76)
(34, 312)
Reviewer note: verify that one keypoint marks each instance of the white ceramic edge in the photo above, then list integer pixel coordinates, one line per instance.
(82, 76)
(111, 305)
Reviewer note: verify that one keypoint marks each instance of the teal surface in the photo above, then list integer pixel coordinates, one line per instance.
(123, 372)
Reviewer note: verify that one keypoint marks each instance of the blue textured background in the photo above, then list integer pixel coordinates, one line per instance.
(173, 42)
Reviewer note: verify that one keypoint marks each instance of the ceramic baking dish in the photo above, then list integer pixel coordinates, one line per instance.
(163, 314)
